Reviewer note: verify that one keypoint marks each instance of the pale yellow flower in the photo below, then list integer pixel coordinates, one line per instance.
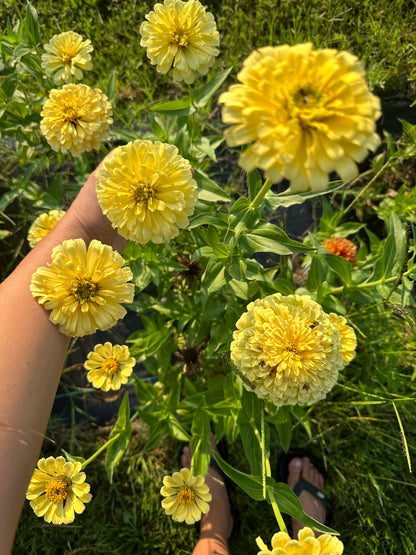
(83, 288)
(186, 496)
(67, 55)
(306, 544)
(58, 490)
(76, 119)
(348, 337)
(288, 349)
(308, 113)
(42, 225)
(182, 36)
(110, 366)
(146, 190)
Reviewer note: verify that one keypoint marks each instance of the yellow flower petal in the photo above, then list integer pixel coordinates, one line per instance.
(67, 54)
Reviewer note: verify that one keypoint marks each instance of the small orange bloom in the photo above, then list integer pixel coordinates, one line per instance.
(341, 247)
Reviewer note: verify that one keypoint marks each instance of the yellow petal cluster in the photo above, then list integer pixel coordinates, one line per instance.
(83, 288)
(76, 119)
(58, 490)
(348, 337)
(186, 496)
(42, 225)
(147, 191)
(307, 112)
(288, 349)
(67, 55)
(110, 366)
(306, 544)
(182, 36)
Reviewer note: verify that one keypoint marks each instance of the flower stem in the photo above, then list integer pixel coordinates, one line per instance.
(370, 284)
(263, 449)
(99, 451)
(261, 194)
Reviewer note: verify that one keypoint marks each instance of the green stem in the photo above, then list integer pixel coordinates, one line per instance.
(370, 284)
(261, 194)
(99, 451)
(273, 502)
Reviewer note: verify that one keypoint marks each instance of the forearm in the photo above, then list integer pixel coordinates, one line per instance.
(32, 356)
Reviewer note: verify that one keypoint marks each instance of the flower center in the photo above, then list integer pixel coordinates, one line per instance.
(143, 192)
(84, 289)
(179, 37)
(70, 114)
(110, 366)
(58, 488)
(186, 496)
(306, 104)
(66, 57)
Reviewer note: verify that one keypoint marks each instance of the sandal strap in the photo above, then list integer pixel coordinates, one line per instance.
(304, 485)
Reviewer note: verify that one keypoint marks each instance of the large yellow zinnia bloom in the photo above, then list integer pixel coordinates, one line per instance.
(42, 225)
(306, 544)
(146, 190)
(67, 55)
(182, 36)
(110, 366)
(58, 490)
(348, 337)
(76, 118)
(186, 496)
(83, 288)
(288, 349)
(307, 113)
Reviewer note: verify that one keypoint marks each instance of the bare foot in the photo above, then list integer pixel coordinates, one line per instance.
(304, 469)
(217, 524)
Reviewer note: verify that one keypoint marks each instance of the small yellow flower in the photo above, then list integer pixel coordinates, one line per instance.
(341, 247)
(146, 190)
(348, 337)
(182, 36)
(42, 225)
(308, 113)
(67, 55)
(306, 544)
(186, 496)
(76, 119)
(83, 288)
(58, 490)
(110, 366)
(288, 349)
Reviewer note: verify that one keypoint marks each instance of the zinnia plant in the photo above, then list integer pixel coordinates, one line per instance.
(58, 490)
(181, 36)
(83, 288)
(76, 119)
(42, 225)
(109, 366)
(186, 496)
(288, 349)
(306, 544)
(147, 191)
(67, 55)
(307, 112)
(341, 247)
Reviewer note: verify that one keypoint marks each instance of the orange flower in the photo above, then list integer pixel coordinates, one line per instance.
(341, 247)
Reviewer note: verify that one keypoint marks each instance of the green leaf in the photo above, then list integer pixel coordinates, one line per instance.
(208, 190)
(73, 458)
(122, 430)
(204, 94)
(254, 183)
(216, 219)
(252, 485)
(270, 238)
(200, 442)
(338, 264)
(32, 26)
(393, 250)
(156, 433)
(111, 87)
(8, 198)
(249, 421)
(283, 422)
(286, 199)
(177, 108)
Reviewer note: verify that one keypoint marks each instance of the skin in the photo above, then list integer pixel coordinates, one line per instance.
(32, 356)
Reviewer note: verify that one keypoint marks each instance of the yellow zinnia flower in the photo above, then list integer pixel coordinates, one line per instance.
(83, 288)
(109, 366)
(307, 113)
(146, 190)
(306, 544)
(58, 490)
(288, 349)
(348, 337)
(182, 36)
(76, 119)
(42, 225)
(186, 496)
(66, 55)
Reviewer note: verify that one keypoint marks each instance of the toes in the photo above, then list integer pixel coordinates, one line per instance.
(186, 457)
(311, 474)
(295, 469)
